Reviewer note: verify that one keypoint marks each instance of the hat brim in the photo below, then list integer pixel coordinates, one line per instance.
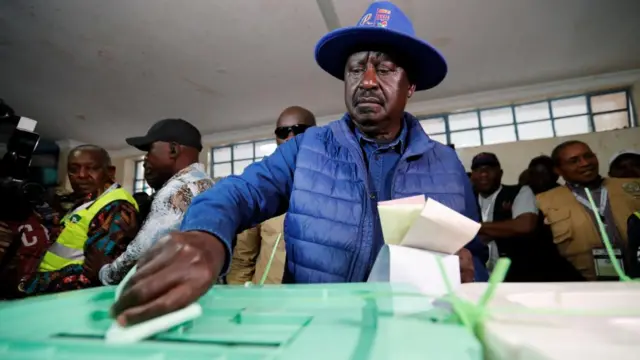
(332, 51)
(141, 143)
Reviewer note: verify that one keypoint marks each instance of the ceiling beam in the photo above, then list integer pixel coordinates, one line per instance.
(329, 14)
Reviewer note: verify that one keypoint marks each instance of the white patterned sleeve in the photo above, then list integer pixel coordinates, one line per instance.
(162, 219)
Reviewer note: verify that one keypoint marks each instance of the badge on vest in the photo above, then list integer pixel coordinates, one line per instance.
(75, 218)
(604, 266)
(632, 188)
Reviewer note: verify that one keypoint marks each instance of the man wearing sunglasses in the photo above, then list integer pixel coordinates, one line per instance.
(328, 180)
(254, 246)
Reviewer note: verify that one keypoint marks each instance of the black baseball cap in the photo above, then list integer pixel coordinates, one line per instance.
(484, 159)
(169, 130)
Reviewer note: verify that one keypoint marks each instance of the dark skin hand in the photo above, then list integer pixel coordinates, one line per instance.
(522, 225)
(170, 276)
(466, 265)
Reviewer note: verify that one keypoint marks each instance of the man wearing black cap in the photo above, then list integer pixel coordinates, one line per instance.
(171, 168)
(508, 212)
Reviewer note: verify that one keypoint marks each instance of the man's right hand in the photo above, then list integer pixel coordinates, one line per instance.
(170, 276)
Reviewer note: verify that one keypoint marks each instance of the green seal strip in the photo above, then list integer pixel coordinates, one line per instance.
(606, 240)
(273, 255)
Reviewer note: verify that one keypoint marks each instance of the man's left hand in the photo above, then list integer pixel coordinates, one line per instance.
(467, 272)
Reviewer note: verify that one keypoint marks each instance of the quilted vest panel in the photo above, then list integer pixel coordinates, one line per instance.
(329, 225)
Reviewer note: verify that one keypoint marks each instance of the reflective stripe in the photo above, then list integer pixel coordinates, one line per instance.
(66, 252)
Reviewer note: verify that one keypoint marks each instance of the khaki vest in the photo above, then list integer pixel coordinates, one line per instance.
(253, 250)
(69, 247)
(574, 231)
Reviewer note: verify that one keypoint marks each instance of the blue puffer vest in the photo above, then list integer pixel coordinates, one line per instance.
(335, 242)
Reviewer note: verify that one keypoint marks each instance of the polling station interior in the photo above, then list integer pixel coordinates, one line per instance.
(499, 220)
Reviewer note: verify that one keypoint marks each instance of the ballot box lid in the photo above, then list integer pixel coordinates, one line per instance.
(339, 321)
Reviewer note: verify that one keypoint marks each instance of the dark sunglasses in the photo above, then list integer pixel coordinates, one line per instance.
(283, 132)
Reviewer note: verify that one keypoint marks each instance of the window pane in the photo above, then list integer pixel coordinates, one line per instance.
(496, 117)
(265, 148)
(239, 166)
(442, 138)
(139, 186)
(572, 126)
(568, 107)
(221, 170)
(535, 130)
(532, 112)
(466, 138)
(463, 121)
(498, 135)
(611, 121)
(433, 125)
(243, 151)
(139, 170)
(609, 102)
(222, 154)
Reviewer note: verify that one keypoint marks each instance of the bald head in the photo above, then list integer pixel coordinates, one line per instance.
(292, 116)
(295, 115)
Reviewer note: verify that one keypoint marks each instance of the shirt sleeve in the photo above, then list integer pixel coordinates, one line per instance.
(164, 217)
(106, 240)
(524, 203)
(237, 203)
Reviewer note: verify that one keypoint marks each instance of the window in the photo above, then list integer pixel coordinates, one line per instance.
(544, 119)
(233, 159)
(139, 183)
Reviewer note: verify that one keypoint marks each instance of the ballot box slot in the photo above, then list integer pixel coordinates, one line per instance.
(175, 340)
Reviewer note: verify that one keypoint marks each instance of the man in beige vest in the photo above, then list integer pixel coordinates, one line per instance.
(573, 223)
(254, 246)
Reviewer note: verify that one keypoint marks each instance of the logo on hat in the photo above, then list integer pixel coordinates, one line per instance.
(382, 17)
(366, 20)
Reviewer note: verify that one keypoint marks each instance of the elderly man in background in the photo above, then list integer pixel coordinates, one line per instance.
(94, 232)
(329, 179)
(172, 169)
(254, 246)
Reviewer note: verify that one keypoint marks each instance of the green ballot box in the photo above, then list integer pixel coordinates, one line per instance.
(294, 322)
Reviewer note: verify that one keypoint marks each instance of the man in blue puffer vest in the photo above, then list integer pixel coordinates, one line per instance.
(328, 179)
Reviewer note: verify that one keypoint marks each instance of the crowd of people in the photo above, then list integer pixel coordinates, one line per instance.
(194, 231)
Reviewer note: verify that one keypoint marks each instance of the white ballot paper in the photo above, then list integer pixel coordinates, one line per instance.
(417, 232)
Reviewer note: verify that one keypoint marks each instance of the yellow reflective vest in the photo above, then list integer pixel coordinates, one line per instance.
(69, 247)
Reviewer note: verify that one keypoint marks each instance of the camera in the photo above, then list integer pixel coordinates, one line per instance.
(14, 166)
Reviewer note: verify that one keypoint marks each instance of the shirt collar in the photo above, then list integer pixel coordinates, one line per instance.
(492, 194)
(399, 143)
(195, 167)
(575, 187)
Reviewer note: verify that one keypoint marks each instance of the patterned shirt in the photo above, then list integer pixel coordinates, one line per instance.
(106, 241)
(167, 209)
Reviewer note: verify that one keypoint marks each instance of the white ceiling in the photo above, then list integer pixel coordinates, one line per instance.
(99, 71)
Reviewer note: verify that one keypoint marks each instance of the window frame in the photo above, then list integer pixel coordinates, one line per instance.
(632, 121)
(255, 156)
(139, 178)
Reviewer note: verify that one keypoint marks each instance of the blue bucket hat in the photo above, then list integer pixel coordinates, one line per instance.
(385, 26)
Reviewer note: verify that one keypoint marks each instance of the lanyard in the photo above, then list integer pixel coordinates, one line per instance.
(491, 200)
(603, 201)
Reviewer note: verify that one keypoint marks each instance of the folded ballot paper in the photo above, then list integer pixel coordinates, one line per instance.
(417, 232)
